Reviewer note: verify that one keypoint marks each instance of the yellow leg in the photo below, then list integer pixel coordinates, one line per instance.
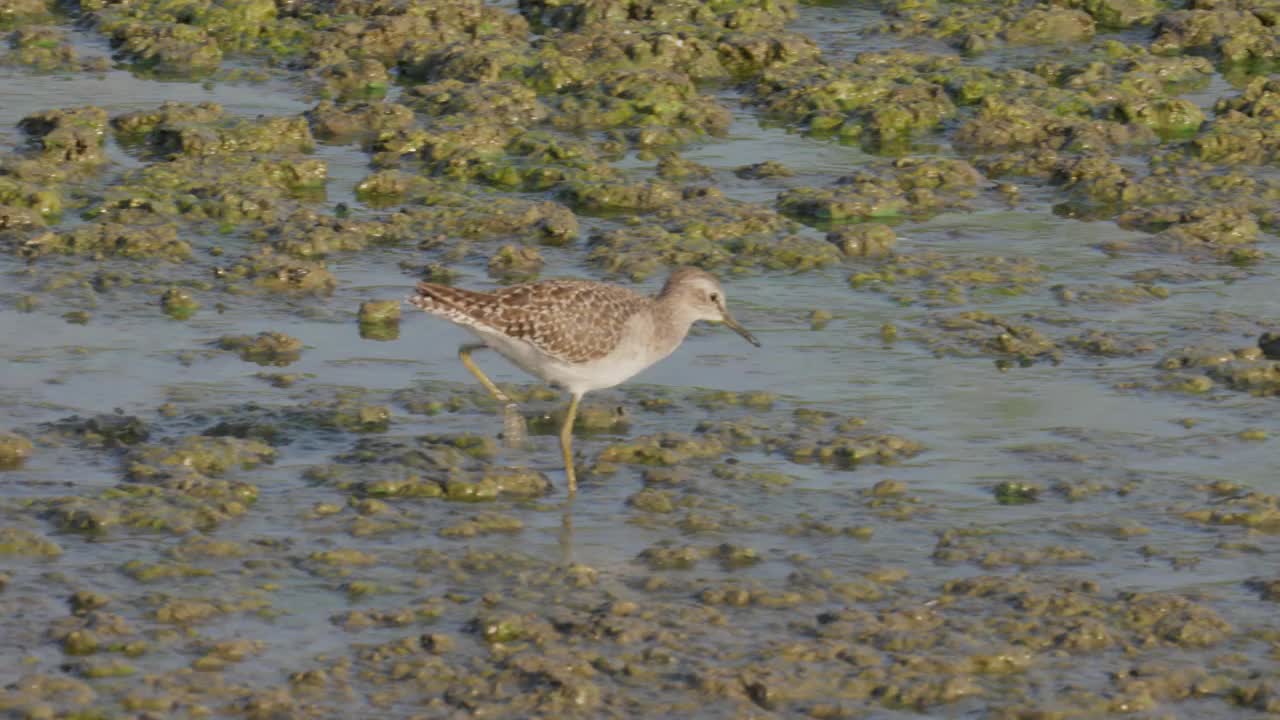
(513, 426)
(464, 354)
(566, 443)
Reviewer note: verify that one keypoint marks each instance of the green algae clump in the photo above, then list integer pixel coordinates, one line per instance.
(14, 451)
(112, 239)
(265, 348)
(379, 319)
(178, 304)
(211, 457)
(17, 542)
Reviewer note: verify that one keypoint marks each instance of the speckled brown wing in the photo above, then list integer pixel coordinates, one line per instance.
(571, 320)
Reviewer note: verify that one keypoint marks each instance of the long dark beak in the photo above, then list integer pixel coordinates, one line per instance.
(734, 326)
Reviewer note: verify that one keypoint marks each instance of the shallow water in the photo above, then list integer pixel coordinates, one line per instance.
(1076, 422)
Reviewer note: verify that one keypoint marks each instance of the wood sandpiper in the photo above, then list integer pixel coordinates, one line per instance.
(577, 335)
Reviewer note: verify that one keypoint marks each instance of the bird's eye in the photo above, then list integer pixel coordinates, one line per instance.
(714, 297)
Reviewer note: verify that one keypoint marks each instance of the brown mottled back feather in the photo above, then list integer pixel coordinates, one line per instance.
(573, 321)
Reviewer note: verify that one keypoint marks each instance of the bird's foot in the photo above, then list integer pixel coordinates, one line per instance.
(515, 433)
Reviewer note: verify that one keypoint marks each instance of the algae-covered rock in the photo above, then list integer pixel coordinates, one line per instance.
(16, 195)
(579, 15)
(671, 558)
(1236, 35)
(734, 557)
(364, 78)
(1254, 377)
(423, 612)
(454, 149)
(751, 53)
(178, 304)
(1234, 137)
(410, 487)
(75, 135)
(1002, 337)
(80, 642)
(618, 195)
(274, 272)
(1236, 505)
(105, 431)
(850, 450)
(675, 167)
(505, 101)
(664, 108)
(1097, 342)
(379, 319)
(211, 457)
(819, 319)
(709, 230)
(662, 449)
(485, 59)
(517, 482)
(1169, 117)
(111, 239)
(589, 419)
(332, 122)
(12, 11)
(1015, 492)
(515, 262)
(85, 601)
(990, 552)
(594, 52)
(906, 187)
(652, 500)
(14, 450)
(1175, 620)
(259, 135)
(19, 218)
(766, 169)
(1260, 98)
(863, 240)
(18, 542)
(265, 348)
(1121, 13)
(1055, 122)
(462, 490)
(167, 48)
(1187, 227)
(187, 612)
(113, 668)
(346, 557)
(883, 100)
(137, 124)
(379, 311)
(1050, 25)
(309, 234)
(229, 187)
(363, 418)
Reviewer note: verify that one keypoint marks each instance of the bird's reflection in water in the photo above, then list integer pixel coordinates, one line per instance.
(566, 532)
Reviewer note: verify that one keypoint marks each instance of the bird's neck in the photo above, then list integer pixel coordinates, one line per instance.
(671, 322)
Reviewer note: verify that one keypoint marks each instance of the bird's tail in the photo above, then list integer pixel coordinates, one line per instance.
(432, 297)
(448, 302)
